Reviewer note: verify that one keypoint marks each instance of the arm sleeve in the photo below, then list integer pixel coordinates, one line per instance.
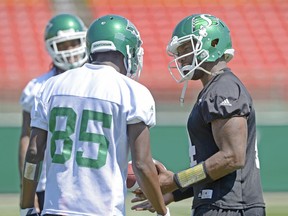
(225, 102)
(182, 194)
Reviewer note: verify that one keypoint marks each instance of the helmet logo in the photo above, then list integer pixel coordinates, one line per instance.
(130, 27)
(48, 27)
(203, 21)
(66, 32)
(174, 40)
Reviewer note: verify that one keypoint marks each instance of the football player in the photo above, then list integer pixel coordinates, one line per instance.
(65, 43)
(90, 118)
(224, 177)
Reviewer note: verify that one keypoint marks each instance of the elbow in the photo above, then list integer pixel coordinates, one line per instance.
(239, 164)
(140, 167)
(235, 161)
(33, 156)
(240, 160)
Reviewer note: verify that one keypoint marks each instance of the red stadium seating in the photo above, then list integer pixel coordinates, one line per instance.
(259, 32)
(23, 54)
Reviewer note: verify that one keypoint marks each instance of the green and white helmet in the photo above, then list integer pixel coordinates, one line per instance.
(62, 28)
(116, 33)
(210, 40)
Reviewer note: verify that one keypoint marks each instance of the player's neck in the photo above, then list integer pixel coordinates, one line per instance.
(58, 71)
(116, 67)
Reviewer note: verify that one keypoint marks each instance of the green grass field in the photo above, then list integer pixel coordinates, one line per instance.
(277, 205)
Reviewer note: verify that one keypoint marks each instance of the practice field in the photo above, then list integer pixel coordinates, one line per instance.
(277, 205)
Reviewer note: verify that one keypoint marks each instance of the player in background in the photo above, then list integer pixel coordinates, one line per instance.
(91, 118)
(224, 177)
(65, 43)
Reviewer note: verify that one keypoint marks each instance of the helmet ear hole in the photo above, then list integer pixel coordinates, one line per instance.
(214, 42)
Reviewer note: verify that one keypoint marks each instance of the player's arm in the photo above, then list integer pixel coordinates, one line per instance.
(230, 136)
(143, 166)
(34, 157)
(24, 141)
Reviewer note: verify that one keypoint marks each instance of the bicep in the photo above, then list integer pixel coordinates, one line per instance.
(26, 120)
(139, 141)
(230, 135)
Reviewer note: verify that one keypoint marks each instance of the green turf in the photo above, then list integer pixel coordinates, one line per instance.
(277, 205)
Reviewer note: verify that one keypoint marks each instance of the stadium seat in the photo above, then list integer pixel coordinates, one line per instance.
(23, 53)
(259, 33)
(258, 28)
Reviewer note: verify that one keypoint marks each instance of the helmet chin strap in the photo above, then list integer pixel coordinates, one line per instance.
(182, 96)
(186, 68)
(186, 79)
(210, 73)
(189, 77)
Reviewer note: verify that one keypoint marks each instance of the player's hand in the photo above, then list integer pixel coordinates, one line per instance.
(139, 195)
(146, 205)
(36, 204)
(28, 212)
(166, 180)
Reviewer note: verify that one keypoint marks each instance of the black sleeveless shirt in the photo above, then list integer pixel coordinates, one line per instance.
(224, 97)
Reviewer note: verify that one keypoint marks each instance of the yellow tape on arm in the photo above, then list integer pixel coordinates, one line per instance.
(190, 176)
(31, 171)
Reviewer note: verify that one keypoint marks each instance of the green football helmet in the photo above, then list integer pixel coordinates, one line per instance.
(210, 40)
(62, 28)
(116, 33)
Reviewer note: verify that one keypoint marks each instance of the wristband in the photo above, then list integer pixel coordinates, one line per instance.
(190, 176)
(167, 213)
(28, 211)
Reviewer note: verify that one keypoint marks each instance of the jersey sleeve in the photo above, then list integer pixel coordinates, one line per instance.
(39, 111)
(226, 101)
(31, 90)
(27, 96)
(142, 107)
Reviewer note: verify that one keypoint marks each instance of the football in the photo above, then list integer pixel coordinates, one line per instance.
(131, 181)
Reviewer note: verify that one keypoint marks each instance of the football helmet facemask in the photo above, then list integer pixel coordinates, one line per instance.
(116, 33)
(70, 29)
(209, 38)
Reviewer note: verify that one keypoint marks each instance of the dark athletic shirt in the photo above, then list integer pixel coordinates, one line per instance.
(225, 97)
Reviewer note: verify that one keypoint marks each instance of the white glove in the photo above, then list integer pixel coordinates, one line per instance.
(167, 214)
(28, 212)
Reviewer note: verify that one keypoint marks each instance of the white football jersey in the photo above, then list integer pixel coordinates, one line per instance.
(27, 101)
(86, 111)
(32, 88)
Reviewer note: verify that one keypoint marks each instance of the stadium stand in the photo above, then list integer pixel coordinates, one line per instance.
(23, 54)
(259, 31)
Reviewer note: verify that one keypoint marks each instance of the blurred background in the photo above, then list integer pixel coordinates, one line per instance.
(259, 31)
